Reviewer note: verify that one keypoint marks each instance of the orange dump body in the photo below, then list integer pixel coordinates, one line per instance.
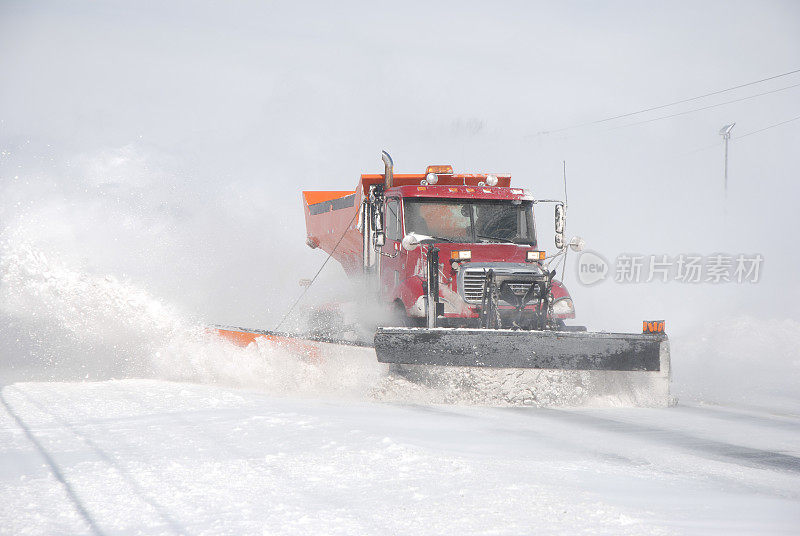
(331, 219)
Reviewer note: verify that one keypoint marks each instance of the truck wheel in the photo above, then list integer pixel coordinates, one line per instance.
(399, 317)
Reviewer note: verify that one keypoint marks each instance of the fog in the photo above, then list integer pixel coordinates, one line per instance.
(166, 144)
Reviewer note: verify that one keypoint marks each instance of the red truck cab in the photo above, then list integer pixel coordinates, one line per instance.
(392, 227)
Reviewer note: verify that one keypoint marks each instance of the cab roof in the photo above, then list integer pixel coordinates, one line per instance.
(460, 192)
(444, 179)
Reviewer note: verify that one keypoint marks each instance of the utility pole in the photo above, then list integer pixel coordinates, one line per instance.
(725, 132)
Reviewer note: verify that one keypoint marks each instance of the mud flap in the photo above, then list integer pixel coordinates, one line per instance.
(559, 350)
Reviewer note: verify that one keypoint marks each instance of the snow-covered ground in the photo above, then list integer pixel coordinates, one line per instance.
(159, 457)
(201, 437)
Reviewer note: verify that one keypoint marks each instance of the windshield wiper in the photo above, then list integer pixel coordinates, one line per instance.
(497, 238)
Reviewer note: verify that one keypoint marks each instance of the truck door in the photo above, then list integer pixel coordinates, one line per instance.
(394, 255)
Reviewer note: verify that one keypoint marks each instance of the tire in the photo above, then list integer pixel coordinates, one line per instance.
(400, 319)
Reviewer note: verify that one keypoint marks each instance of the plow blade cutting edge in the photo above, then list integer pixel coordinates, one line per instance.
(556, 350)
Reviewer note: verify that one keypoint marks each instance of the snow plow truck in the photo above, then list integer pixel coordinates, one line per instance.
(455, 263)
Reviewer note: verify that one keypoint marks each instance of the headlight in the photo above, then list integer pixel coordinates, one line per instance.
(563, 307)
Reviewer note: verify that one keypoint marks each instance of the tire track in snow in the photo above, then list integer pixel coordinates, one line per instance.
(707, 448)
(489, 428)
(104, 456)
(54, 468)
(781, 422)
(569, 435)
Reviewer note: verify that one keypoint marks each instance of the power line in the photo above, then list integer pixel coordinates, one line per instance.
(706, 107)
(652, 108)
(767, 128)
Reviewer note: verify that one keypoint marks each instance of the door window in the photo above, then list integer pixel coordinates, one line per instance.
(392, 219)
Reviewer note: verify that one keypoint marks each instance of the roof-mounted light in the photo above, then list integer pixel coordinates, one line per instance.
(491, 180)
(432, 178)
(439, 170)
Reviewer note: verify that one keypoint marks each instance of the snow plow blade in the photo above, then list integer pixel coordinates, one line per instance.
(557, 350)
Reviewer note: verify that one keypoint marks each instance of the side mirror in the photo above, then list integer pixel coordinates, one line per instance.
(412, 241)
(380, 239)
(560, 217)
(577, 243)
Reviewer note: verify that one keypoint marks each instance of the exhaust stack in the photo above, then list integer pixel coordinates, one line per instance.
(389, 167)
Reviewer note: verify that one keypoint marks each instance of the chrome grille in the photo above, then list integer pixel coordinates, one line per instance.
(473, 286)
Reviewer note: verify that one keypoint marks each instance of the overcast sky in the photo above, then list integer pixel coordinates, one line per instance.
(168, 142)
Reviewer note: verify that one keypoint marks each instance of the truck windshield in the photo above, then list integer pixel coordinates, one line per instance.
(462, 220)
